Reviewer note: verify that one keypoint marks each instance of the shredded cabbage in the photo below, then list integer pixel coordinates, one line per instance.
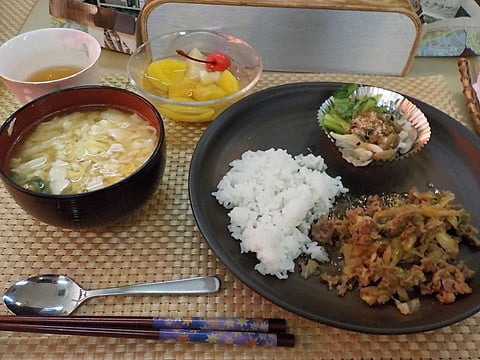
(83, 151)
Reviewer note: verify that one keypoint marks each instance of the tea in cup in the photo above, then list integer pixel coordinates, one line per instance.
(45, 60)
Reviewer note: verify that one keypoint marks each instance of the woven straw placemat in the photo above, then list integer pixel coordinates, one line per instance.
(12, 16)
(162, 242)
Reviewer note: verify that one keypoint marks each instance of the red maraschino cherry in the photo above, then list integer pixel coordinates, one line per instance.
(216, 61)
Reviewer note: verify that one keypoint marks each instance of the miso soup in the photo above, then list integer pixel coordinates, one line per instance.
(82, 151)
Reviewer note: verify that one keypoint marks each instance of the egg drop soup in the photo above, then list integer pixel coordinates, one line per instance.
(82, 151)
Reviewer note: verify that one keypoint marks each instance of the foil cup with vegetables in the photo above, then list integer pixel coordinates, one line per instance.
(373, 125)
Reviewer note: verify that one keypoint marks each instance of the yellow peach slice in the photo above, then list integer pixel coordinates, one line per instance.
(162, 73)
(228, 82)
(203, 92)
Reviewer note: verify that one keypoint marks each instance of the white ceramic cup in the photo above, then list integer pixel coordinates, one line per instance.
(36, 50)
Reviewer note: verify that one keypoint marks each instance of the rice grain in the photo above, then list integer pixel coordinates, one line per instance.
(273, 198)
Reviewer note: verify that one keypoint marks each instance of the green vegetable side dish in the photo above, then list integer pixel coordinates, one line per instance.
(372, 124)
(345, 106)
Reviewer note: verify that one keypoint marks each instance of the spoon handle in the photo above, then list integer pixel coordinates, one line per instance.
(197, 285)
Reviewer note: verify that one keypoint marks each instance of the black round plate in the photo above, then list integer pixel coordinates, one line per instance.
(285, 117)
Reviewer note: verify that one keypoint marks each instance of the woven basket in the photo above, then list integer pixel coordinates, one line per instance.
(468, 70)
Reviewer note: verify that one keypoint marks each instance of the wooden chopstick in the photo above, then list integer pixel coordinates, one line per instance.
(269, 325)
(124, 327)
(169, 335)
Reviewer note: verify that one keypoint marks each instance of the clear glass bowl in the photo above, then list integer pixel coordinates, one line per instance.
(246, 67)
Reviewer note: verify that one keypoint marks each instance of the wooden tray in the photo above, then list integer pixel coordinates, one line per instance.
(367, 37)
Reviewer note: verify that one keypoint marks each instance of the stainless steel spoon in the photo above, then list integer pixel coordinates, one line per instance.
(60, 295)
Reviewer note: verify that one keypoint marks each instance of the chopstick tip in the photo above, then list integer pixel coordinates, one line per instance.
(286, 340)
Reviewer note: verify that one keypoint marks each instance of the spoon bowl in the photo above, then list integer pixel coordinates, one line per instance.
(52, 295)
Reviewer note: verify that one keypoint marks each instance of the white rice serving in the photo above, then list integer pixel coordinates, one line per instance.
(273, 198)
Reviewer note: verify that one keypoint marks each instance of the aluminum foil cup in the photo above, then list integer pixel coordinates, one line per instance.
(414, 119)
